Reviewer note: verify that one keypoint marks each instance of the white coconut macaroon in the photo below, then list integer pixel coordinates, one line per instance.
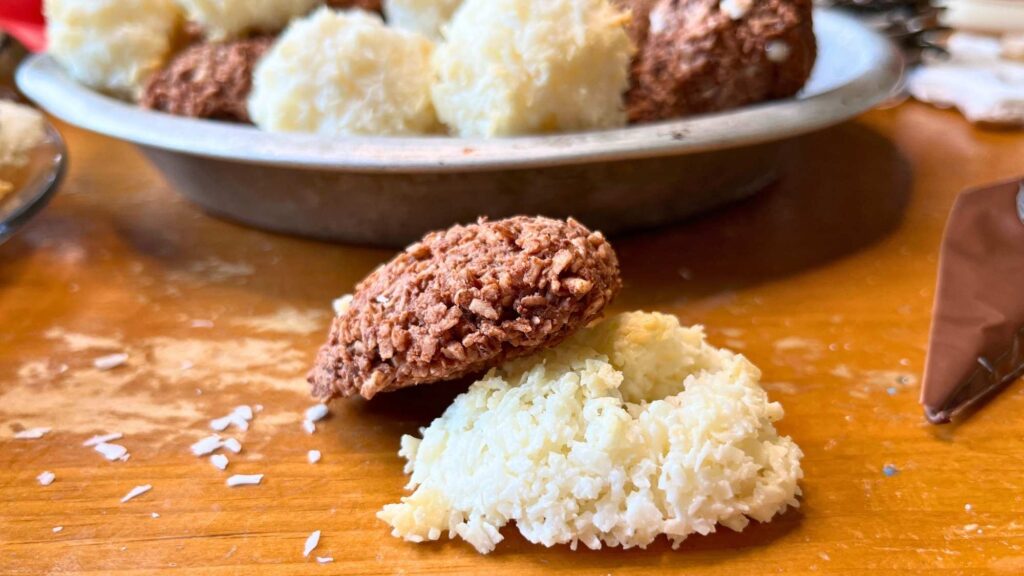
(344, 73)
(427, 17)
(22, 128)
(631, 429)
(510, 67)
(112, 45)
(225, 19)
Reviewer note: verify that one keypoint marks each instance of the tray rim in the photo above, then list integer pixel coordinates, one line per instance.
(45, 82)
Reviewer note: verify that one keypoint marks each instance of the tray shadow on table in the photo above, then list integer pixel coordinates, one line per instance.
(831, 202)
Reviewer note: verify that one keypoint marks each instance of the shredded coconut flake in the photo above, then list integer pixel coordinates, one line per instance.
(57, 529)
(207, 445)
(233, 445)
(245, 480)
(220, 424)
(314, 456)
(324, 559)
(239, 417)
(110, 362)
(32, 434)
(219, 461)
(112, 451)
(311, 543)
(309, 426)
(317, 413)
(342, 304)
(105, 438)
(154, 515)
(46, 478)
(778, 51)
(136, 492)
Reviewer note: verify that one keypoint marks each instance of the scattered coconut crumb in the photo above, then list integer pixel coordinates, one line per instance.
(233, 445)
(219, 461)
(137, 491)
(824, 556)
(57, 529)
(112, 451)
(314, 456)
(46, 478)
(309, 426)
(245, 480)
(317, 413)
(220, 424)
(154, 515)
(970, 527)
(324, 559)
(258, 408)
(207, 445)
(311, 543)
(968, 507)
(239, 417)
(32, 434)
(110, 362)
(103, 439)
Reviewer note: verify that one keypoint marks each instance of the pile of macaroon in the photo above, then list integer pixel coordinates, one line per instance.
(579, 430)
(479, 68)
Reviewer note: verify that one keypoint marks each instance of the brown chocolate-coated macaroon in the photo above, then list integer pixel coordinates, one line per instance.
(464, 300)
(370, 5)
(697, 56)
(208, 80)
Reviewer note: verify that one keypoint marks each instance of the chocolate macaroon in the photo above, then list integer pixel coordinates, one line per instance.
(464, 300)
(369, 5)
(697, 56)
(208, 80)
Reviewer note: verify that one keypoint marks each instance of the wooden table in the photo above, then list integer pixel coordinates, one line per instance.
(825, 281)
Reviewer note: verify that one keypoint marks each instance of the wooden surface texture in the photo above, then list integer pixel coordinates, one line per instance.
(825, 281)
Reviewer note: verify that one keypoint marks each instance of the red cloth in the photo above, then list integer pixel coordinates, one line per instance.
(23, 19)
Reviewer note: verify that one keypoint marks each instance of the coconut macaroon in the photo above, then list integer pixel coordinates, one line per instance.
(224, 19)
(22, 128)
(631, 429)
(112, 45)
(513, 67)
(424, 16)
(462, 301)
(344, 73)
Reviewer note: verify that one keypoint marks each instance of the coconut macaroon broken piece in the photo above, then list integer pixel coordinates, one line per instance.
(464, 300)
(631, 429)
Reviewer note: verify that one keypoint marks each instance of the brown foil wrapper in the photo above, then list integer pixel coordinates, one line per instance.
(977, 338)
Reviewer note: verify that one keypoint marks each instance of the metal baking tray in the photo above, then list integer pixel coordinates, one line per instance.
(389, 191)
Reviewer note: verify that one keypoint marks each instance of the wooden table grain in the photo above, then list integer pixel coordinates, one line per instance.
(825, 281)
